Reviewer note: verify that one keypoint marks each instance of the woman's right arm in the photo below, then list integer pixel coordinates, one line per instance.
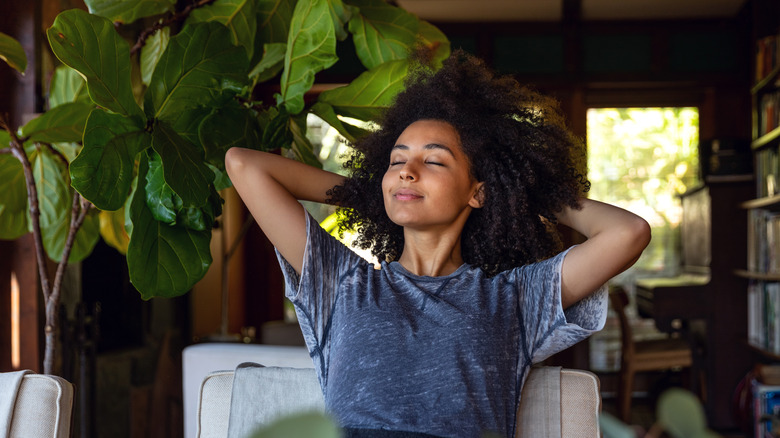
(270, 186)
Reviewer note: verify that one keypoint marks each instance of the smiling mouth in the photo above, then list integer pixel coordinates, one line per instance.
(406, 195)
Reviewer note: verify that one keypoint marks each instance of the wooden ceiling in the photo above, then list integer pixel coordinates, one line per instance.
(552, 10)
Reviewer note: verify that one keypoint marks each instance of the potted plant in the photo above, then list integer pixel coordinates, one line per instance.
(140, 131)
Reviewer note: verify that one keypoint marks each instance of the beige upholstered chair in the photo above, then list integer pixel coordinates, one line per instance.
(42, 407)
(556, 402)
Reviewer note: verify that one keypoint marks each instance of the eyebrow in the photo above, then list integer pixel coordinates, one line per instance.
(427, 146)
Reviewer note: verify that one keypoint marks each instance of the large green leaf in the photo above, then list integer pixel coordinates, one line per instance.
(127, 11)
(90, 44)
(183, 165)
(13, 198)
(435, 40)
(239, 16)
(382, 32)
(188, 123)
(67, 86)
(85, 241)
(133, 189)
(12, 53)
(326, 112)
(301, 146)
(311, 47)
(202, 219)
(372, 92)
(200, 67)
(271, 63)
(163, 260)
(153, 49)
(276, 129)
(167, 207)
(69, 150)
(341, 13)
(274, 18)
(55, 206)
(112, 229)
(103, 171)
(221, 178)
(54, 196)
(227, 127)
(160, 198)
(64, 123)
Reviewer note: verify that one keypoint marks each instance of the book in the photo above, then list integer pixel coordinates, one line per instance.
(766, 409)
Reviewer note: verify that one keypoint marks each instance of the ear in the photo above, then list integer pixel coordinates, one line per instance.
(478, 198)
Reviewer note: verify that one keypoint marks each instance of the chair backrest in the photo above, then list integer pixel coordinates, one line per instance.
(43, 408)
(556, 402)
(619, 299)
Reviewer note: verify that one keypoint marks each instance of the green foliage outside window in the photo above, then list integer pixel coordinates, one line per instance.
(642, 159)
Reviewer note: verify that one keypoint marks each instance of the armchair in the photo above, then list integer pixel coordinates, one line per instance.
(556, 402)
(35, 405)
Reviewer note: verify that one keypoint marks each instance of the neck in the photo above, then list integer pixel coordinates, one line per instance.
(431, 254)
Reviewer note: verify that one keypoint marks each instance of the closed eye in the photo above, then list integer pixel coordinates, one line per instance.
(435, 163)
(396, 163)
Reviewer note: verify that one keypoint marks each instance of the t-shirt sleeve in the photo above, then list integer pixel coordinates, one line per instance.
(315, 290)
(547, 327)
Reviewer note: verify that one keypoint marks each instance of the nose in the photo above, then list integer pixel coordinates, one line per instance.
(408, 173)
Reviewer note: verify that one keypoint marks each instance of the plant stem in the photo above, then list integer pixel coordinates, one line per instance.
(179, 16)
(17, 149)
(223, 327)
(79, 210)
(77, 215)
(56, 153)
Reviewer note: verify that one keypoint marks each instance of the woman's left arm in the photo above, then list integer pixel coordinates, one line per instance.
(615, 240)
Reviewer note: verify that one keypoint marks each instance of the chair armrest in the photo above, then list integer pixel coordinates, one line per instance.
(214, 405)
(580, 403)
(43, 408)
(559, 402)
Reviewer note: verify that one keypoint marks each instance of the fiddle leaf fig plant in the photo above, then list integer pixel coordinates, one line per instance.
(132, 145)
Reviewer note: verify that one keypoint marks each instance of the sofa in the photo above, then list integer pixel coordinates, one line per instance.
(232, 399)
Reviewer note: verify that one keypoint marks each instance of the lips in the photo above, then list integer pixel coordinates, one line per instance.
(407, 195)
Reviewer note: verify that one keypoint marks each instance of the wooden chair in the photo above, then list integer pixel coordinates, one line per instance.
(645, 355)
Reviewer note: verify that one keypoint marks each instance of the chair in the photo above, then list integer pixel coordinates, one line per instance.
(43, 408)
(556, 402)
(645, 355)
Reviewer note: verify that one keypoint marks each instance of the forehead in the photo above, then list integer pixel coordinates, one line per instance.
(430, 132)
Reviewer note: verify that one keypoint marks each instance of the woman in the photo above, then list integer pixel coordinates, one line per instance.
(456, 194)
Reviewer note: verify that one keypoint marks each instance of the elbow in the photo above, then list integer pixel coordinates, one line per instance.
(233, 161)
(640, 234)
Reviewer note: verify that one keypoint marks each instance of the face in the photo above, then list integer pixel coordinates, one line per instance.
(428, 184)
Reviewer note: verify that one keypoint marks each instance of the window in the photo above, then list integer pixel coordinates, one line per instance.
(642, 159)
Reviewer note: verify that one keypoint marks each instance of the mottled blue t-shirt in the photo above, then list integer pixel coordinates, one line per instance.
(447, 355)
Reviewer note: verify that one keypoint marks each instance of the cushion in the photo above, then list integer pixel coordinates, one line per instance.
(264, 394)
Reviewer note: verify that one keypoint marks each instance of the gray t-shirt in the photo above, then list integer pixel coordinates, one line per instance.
(447, 355)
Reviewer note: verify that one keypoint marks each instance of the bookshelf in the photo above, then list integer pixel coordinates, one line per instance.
(763, 254)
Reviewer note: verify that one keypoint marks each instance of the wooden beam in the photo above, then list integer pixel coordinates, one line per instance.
(6, 248)
(21, 98)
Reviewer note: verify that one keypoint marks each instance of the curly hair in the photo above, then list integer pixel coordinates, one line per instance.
(517, 144)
